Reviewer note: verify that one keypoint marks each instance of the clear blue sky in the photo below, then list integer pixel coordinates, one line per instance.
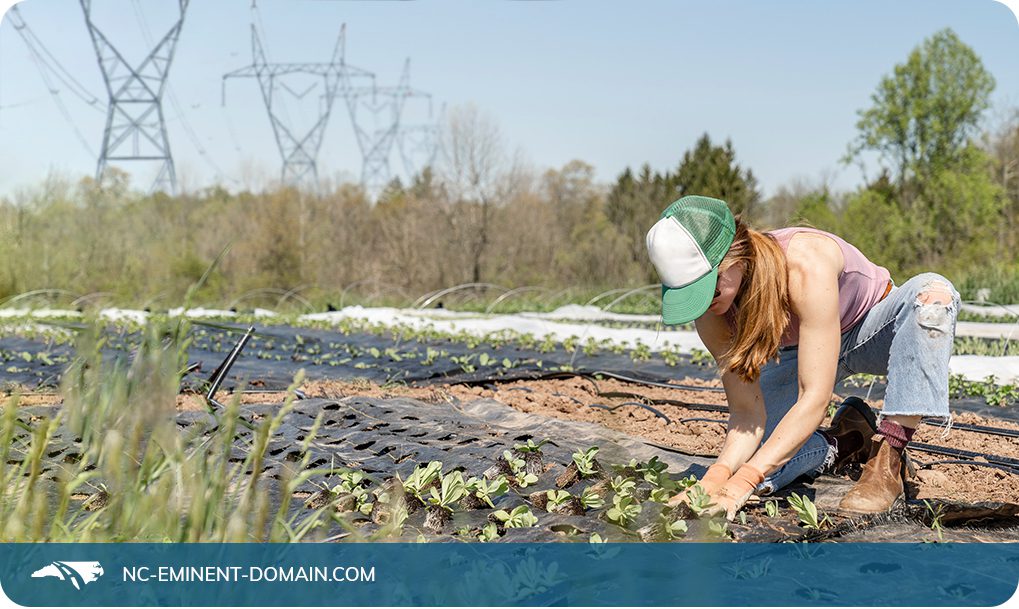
(616, 84)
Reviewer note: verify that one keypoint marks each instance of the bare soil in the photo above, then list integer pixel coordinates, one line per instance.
(572, 398)
(690, 430)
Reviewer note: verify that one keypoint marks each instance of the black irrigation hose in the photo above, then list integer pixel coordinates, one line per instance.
(965, 454)
(628, 379)
(681, 404)
(705, 420)
(993, 431)
(1006, 468)
(656, 412)
(568, 397)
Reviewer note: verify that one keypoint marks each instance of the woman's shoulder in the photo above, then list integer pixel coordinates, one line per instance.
(813, 251)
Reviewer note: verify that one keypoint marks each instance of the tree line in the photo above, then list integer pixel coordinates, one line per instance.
(945, 197)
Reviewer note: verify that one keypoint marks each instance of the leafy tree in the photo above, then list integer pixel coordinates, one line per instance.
(634, 204)
(924, 113)
(636, 200)
(816, 209)
(713, 171)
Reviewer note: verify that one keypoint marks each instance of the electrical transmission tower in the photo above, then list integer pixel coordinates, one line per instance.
(419, 143)
(299, 152)
(135, 127)
(384, 105)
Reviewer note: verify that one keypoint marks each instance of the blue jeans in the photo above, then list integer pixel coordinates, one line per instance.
(901, 337)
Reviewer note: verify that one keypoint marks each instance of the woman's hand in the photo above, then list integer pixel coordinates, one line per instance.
(712, 480)
(735, 492)
(746, 402)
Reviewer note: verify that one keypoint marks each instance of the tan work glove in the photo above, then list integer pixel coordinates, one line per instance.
(735, 492)
(712, 480)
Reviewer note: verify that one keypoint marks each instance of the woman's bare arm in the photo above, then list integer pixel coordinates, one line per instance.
(746, 404)
(814, 266)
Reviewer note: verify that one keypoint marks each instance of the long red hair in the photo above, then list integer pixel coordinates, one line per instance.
(760, 312)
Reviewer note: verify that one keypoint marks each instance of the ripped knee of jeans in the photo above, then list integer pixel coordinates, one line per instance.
(935, 308)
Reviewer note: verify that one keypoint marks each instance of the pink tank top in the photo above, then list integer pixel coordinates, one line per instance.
(862, 283)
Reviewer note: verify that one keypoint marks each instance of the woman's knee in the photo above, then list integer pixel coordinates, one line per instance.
(935, 303)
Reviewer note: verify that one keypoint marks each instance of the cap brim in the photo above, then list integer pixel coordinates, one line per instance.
(685, 304)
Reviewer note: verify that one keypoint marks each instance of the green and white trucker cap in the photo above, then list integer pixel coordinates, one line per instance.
(686, 246)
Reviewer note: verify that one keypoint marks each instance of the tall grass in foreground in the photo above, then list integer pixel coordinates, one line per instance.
(148, 480)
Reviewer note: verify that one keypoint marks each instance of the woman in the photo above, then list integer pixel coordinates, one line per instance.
(786, 315)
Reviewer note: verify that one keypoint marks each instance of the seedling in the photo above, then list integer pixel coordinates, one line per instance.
(518, 471)
(489, 532)
(354, 483)
(483, 489)
(641, 353)
(421, 478)
(653, 471)
(700, 357)
(719, 529)
(430, 356)
(771, 508)
(464, 361)
(661, 494)
(442, 499)
(530, 446)
(675, 529)
(699, 500)
(685, 483)
(557, 498)
(624, 510)
(520, 517)
(623, 486)
(591, 500)
(451, 490)
(937, 515)
(807, 512)
(585, 461)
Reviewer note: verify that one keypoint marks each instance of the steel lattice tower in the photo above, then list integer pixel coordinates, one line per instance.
(135, 126)
(299, 152)
(377, 142)
(419, 144)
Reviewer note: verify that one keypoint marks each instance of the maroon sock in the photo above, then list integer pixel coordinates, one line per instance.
(896, 435)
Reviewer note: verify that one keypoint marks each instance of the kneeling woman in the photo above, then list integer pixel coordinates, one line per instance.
(787, 314)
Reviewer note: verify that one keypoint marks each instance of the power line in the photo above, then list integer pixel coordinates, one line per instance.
(37, 59)
(37, 48)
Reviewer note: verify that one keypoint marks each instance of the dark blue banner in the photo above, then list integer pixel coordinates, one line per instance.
(509, 574)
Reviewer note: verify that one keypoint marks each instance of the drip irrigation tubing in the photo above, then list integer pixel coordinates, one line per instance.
(651, 409)
(965, 454)
(659, 401)
(984, 429)
(998, 466)
(650, 383)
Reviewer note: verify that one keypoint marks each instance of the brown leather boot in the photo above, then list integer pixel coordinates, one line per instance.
(881, 483)
(852, 428)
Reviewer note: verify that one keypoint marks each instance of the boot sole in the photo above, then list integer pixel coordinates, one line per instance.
(898, 505)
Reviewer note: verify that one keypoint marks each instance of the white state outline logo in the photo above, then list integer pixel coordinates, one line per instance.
(77, 573)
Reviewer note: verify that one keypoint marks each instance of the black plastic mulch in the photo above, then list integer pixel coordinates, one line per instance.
(276, 353)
